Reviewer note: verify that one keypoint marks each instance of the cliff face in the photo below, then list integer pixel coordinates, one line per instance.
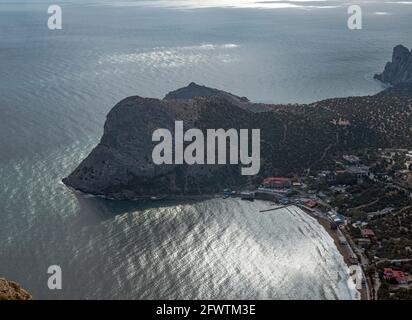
(10, 290)
(399, 70)
(293, 138)
(120, 166)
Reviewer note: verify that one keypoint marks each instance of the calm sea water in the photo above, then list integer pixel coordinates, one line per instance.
(56, 88)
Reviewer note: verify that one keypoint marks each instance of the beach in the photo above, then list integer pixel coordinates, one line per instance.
(344, 249)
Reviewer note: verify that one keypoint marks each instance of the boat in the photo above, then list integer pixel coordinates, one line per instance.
(158, 198)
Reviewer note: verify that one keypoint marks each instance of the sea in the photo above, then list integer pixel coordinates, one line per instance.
(56, 87)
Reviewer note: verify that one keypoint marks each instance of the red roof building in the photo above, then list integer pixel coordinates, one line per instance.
(390, 274)
(310, 203)
(367, 233)
(277, 182)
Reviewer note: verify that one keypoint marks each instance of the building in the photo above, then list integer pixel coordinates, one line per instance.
(398, 276)
(380, 213)
(339, 219)
(246, 195)
(363, 242)
(310, 203)
(359, 171)
(351, 159)
(277, 183)
(367, 233)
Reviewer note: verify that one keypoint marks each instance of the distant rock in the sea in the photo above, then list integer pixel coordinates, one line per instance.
(10, 290)
(399, 70)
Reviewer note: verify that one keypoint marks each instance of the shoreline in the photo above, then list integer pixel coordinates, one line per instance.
(145, 198)
(344, 249)
(333, 234)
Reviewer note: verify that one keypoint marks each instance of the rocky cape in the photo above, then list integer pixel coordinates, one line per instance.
(399, 70)
(294, 138)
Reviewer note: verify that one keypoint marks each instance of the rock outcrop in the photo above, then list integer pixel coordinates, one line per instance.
(399, 70)
(194, 90)
(10, 290)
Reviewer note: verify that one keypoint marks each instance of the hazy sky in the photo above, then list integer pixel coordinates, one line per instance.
(260, 4)
(263, 4)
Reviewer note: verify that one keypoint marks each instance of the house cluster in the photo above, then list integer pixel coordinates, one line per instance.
(390, 156)
(391, 153)
(380, 213)
(354, 166)
(367, 236)
(401, 160)
(348, 164)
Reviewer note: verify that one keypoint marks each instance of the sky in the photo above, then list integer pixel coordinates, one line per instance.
(192, 4)
(262, 4)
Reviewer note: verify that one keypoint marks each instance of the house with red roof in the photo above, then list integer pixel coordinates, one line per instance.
(310, 203)
(277, 183)
(398, 276)
(368, 233)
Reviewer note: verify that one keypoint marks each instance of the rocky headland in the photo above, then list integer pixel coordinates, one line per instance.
(399, 70)
(294, 137)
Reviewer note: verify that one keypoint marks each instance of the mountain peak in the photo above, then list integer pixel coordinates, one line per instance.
(399, 70)
(194, 90)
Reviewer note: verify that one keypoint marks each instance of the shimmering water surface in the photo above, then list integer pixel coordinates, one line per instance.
(57, 86)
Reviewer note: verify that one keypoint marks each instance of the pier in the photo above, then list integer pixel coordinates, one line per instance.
(277, 208)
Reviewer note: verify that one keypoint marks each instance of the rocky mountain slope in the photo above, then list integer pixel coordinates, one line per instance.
(10, 290)
(293, 138)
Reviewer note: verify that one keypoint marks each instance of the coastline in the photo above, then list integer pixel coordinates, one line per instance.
(333, 234)
(343, 249)
(145, 198)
